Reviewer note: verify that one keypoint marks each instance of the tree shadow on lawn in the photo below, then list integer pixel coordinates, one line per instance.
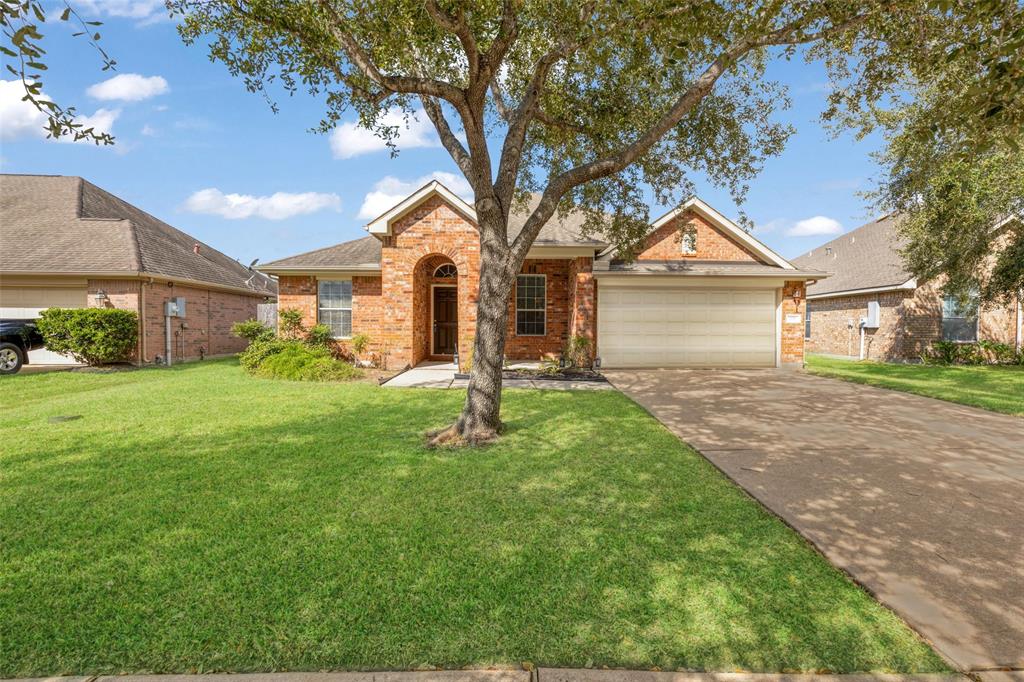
(328, 537)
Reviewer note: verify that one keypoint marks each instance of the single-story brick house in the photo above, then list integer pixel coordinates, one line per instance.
(702, 292)
(868, 271)
(67, 243)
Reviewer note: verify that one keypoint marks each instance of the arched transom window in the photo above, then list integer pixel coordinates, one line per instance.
(446, 271)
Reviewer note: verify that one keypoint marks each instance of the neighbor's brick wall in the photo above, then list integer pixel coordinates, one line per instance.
(665, 243)
(794, 301)
(909, 321)
(209, 316)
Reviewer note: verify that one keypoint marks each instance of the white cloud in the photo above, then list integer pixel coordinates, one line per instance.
(817, 225)
(145, 11)
(389, 190)
(277, 206)
(129, 87)
(19, 119)
(148, 130)
(349, 140)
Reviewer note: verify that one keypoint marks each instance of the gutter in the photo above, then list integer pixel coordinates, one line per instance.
(909, 285)
(136, 274)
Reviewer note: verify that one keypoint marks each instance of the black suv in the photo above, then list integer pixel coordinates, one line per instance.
(17, 338)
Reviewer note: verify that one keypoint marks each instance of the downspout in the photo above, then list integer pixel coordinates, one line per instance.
(861, 339)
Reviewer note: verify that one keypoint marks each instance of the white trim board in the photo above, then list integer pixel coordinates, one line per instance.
(382, 224)
(909, 285)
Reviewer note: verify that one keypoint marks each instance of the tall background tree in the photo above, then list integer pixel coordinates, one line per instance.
(23, 46)
(586, 103)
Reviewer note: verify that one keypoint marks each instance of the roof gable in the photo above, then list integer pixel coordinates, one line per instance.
(722, 225)
(382, 224)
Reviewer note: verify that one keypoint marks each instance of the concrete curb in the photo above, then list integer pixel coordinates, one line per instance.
(538, 675)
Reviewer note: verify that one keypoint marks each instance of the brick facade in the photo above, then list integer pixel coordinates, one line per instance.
(394, 309)
(665, 243)
(794, 302)
(204, 331)
(909, 322)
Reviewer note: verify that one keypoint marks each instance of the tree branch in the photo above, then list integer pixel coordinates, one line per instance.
(457, 26)
(396, 84)
(789, 34)
(448, 138)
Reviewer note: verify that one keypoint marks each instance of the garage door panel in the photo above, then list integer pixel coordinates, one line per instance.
(686, 327)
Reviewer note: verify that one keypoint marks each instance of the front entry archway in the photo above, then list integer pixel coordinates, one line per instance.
(445, 319)
(436, 281)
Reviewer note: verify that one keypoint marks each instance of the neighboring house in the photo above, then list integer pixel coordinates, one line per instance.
(868, 269)
(702, 293)
(66, 243)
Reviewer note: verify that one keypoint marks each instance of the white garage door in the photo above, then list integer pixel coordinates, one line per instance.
(671, 327)
(25, 303)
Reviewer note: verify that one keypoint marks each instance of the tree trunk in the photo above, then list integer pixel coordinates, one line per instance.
(480, 420)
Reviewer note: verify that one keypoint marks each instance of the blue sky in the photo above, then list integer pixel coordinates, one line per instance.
(189, 136)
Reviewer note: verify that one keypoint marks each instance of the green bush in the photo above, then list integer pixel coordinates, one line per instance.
(260, 350)
(577, 352)
(290, 321)
(980, 353)
(359, 344)
(319, 335)
(298, 362)
(94, 336)
(252, 330)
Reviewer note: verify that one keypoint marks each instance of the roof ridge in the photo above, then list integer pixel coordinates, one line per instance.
(136, 251)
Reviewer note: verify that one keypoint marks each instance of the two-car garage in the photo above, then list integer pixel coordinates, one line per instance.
(672, 325)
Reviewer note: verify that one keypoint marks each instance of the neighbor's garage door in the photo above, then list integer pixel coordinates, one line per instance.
(673, 327)
(25, 302)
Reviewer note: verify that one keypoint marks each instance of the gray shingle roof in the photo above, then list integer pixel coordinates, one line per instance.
(865, 258)
(365, 252)
(354, 254)
(558, 231)
(54, 224)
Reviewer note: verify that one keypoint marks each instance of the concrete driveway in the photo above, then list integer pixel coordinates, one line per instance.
(920, 500)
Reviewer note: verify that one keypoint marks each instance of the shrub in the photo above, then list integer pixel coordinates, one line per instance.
(252, 331)
(95, 336)
(297, 362)
(319, 335)
(577, 351)
(359, 344)
(260, 350)
(290, 321)
(980, 353)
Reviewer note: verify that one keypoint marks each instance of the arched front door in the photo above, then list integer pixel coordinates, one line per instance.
(445, 319)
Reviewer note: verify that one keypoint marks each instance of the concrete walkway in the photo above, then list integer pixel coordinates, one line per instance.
(536, 675)
(920, 500)
(442, 375)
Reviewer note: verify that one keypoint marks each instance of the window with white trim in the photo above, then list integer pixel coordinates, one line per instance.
(531, 305)
(334, 298)
(960, 318)
(689, 241)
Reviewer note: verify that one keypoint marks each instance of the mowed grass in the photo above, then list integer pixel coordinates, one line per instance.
(198, 519)
(993, 387)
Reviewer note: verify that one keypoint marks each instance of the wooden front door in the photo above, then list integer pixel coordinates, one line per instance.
(446, 320)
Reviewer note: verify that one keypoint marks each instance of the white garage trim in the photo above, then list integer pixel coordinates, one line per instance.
(687, 326)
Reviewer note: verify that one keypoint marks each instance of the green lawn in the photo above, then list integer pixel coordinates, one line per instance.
(197, 519)
(998, 388)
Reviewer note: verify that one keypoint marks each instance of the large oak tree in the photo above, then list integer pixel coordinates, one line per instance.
(585, 102)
